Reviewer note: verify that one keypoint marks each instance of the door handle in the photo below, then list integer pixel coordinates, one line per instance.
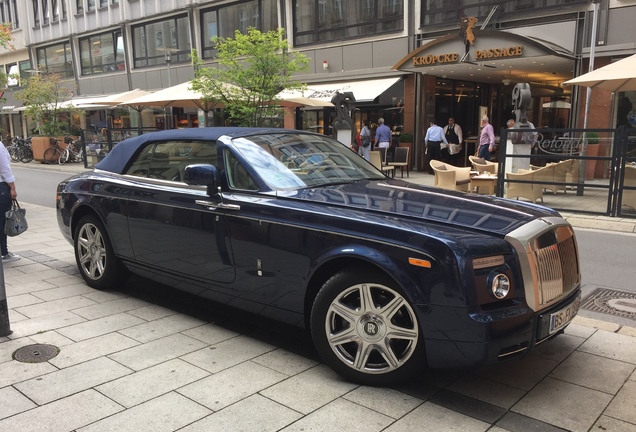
(214, 205)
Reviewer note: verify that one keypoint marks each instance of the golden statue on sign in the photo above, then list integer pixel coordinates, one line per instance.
(466, 26)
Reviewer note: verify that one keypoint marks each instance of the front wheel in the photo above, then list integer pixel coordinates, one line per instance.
(366, 330)
(95, 257)
(64, 157)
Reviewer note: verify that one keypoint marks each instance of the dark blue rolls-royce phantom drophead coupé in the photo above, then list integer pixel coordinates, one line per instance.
(388, 277)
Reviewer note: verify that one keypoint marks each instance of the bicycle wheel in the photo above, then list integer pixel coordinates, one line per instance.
(51, 155)
(64, 156)
(26, 155)
(14, 152)
(79, 156)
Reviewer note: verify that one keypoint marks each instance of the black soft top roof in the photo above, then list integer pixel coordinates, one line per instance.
(119, 156)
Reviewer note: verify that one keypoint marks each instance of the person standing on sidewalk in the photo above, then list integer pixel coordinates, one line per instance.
(7, 195)
(486, 139)
(433, 139)
(382, 135)
(453, 133)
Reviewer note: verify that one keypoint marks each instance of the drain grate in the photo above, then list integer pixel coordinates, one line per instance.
(36, 353)
(619, 303)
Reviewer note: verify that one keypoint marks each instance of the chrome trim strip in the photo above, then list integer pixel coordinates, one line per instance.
(512, 352)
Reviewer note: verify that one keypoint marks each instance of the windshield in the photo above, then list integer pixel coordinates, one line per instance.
(292, 161)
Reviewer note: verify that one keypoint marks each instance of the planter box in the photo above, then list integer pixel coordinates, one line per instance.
(39, 144)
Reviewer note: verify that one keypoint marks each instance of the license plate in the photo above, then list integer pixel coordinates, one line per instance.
(561, 318)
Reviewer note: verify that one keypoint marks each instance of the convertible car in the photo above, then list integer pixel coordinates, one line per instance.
(387, 276)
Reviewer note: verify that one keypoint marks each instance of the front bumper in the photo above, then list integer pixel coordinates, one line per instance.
(472, 340)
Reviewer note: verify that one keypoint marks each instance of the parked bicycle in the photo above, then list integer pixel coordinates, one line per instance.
(52, 154)
(73, 151)
(20, 149)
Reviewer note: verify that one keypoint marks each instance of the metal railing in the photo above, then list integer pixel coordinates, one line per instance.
(604, 181)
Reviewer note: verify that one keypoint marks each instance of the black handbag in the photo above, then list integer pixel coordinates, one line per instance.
(15, 223)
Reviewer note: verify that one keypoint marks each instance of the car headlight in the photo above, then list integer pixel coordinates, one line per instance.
(500, 286)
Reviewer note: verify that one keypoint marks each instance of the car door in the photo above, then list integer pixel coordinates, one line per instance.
(170, 233)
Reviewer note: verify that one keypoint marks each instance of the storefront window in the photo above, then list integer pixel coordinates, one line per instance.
(153, 42)
(625, 112)
(223, 21)
(449, 11)
(102, 53)
(36, 14)
(318, 21)
(56, 59)
(25, 69)
(9, 13)
(55, 11)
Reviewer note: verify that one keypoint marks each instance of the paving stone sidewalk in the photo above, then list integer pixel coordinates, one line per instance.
(132, 361)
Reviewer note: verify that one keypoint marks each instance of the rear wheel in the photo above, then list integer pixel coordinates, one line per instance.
(51, 155)
(365, 329)
(95, 257)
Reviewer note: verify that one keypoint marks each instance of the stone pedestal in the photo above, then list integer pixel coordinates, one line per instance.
(513, 164)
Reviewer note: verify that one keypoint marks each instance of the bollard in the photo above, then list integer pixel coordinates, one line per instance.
(5, 327)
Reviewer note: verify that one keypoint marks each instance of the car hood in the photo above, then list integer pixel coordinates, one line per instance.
(417, 202)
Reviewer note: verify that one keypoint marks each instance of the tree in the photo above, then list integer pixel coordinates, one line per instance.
(252, 69)
(43, 98)
(6, 42)
(5, 36)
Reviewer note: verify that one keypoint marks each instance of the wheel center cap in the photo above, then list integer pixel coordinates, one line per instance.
(371, 328)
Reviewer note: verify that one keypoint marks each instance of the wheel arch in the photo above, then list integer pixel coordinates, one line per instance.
(360, 262)
(81, 211)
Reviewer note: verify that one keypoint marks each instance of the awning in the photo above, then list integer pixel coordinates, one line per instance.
(363, 91)
(118, 98)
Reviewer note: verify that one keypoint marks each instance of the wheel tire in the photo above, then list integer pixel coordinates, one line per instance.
(364, 328)
(50, 156)
(94, 255)
(64, 156)
(14, 153)
(27, 155)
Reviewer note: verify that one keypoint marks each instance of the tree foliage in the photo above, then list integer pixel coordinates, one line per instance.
(6, 42)
(43, 97)
(251, 70)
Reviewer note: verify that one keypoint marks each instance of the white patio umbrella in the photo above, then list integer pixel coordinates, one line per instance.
(619, 76)
(120, 98)
(180, 95)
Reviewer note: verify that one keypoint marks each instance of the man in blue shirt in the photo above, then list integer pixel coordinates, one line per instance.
(382, 135)
(434, 137)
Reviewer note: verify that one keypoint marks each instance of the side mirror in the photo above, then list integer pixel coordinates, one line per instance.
(202, 175)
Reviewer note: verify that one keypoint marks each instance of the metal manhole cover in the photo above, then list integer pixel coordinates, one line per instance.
(36, 353)
(619, 303)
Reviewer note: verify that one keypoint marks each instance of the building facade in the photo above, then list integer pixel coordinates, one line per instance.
(410, 60)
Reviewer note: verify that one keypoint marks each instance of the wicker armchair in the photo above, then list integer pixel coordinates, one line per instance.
(531, 191)
(451, 177)
(481, 165)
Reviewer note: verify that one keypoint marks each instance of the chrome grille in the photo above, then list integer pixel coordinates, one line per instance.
(557, 268)
(548, 260)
